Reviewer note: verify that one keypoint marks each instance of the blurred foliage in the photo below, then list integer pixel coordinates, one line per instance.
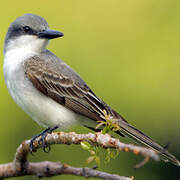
(129, 54)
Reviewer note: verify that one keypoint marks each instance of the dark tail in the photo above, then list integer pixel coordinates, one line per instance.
(140, 137)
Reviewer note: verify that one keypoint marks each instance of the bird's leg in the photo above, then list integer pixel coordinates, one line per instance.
(43, 135)
(35, 137)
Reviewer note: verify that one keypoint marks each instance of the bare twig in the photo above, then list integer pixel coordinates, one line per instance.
(48, 169)
(21, 167)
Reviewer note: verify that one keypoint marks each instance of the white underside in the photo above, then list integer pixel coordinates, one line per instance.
(41, 108)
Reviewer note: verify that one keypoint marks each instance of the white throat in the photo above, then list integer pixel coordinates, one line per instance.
(27, 43)
(19, 49)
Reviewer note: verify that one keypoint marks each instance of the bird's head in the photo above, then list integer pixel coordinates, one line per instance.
(29, 32)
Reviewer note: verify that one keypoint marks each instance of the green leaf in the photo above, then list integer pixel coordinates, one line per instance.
(85, 145)
(105, 130)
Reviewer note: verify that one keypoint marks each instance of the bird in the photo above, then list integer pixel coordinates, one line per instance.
(50, 91)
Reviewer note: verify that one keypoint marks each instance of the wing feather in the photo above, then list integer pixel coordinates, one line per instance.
(63, 89)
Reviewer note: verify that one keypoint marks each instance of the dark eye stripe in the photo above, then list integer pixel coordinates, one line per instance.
(27, 29)
(18, 31)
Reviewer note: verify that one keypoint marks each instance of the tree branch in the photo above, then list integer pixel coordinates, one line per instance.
(48, 169)
(21, 167)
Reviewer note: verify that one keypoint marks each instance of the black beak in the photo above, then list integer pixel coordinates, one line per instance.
(50, 34)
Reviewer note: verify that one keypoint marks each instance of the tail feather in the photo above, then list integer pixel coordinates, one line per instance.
(140, 137)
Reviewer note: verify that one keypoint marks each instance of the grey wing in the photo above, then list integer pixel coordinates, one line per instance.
(59, 82)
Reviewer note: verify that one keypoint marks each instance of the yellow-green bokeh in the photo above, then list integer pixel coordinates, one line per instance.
(128, 52)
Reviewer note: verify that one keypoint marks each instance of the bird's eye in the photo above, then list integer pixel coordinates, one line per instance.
(26, 29)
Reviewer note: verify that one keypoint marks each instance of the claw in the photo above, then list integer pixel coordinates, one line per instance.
(31, 146)
(46, 147)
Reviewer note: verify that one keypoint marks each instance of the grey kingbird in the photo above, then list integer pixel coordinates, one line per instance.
(51, 92)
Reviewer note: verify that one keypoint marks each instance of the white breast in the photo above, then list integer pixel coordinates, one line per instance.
(42, 109)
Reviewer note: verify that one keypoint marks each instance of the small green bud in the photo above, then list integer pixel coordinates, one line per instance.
(85, 145)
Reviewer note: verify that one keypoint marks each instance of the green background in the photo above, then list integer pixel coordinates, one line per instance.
(128, 52)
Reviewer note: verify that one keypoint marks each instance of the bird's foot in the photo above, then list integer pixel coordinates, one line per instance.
(41, 141)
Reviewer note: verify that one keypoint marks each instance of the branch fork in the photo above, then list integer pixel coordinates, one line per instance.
(21, 167)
